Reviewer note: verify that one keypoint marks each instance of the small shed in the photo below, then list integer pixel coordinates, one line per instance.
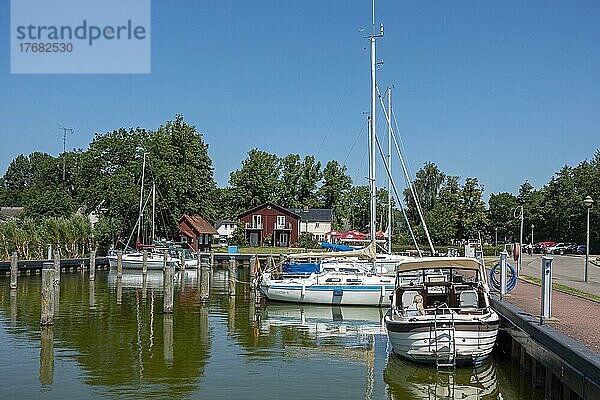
(196, 232)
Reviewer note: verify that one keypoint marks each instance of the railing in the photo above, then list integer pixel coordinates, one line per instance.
(285, 225)
(253, 225)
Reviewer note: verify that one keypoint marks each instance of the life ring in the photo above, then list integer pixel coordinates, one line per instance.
(516, 251)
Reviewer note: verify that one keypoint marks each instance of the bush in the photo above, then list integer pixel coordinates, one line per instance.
(307, 241)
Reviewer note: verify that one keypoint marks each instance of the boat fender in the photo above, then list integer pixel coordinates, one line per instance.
(303, 290)
(516, 251)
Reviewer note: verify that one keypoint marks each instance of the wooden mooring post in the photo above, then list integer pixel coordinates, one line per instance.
(145, 262)
(14, 269)
(47, 298)
(204, 279)
(232, 270)
(182, 262)
(119, 263)
(168, 284)
(252, 269)
(92, 265)
(57, 266)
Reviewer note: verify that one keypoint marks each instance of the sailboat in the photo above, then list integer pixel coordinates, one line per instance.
(356, 277)
(155, 257)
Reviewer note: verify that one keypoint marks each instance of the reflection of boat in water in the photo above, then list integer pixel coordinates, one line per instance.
(323, 321)
(407, 380)
(154, 279)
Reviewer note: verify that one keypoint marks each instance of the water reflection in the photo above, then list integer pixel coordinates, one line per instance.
(13, 306)
(407, 380)
(47, 355)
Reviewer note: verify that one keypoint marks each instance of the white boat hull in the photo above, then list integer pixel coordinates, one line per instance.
(131, 261)
(365, 295)
(415, 338)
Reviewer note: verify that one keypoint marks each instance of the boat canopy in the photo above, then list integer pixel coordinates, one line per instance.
(438, 263)
(366, 252)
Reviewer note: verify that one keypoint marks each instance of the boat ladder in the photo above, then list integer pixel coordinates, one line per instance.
(443, 339)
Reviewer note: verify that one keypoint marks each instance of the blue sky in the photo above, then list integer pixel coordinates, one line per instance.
(503, 91)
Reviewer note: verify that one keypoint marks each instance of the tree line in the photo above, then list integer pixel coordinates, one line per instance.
(105, 178)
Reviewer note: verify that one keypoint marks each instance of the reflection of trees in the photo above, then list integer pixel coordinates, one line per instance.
(121, 345)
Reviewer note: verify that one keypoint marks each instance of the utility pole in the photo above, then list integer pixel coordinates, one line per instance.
(65, 130)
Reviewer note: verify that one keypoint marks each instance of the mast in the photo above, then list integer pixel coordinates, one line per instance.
(141, 200)
(372, 131)
(389, 166)
(153, 209)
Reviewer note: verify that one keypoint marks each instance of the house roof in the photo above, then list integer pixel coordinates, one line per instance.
(10, 212)
(224, 221)
(314, 214)
(267, 205)
(198, 224)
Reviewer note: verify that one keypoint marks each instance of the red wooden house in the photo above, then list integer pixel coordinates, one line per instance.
(196, 232)
(271, 220)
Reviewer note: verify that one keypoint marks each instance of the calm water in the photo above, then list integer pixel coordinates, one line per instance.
(111, 340)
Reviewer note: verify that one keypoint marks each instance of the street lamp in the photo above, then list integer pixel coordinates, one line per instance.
(532, 226)
(520, 238)
(588, 202)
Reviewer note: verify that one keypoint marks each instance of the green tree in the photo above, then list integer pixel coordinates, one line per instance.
(291, 173)
(472, 217)
(336, 184)
(307, 187)
(257, 181)
(501, 214)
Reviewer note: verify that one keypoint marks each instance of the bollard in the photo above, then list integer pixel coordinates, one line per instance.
(168, 277)
(92, 265)
(145, 262)
(546, 297)
(232, 270)
(47, 298)
(503, 256)
(119, 263)
(57, 266)
(47, 355)
(14, 264)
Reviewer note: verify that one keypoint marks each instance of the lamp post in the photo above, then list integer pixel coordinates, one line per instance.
(532, 226)
(588, 202)
(520, 238)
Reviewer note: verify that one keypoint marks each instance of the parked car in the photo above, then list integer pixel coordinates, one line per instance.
(581, 249)
(540, 247)
(564, 248)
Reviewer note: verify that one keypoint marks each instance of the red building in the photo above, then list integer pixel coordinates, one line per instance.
(196, 232)
(271, 220)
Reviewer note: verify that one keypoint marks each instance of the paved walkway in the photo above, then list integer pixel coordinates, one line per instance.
(576, 317)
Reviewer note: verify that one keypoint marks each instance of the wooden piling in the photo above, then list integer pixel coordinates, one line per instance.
(92, 265)
(168, 283)
(119, 264)
(47, 298)
(47, 355)
(198, 259)
(14, 269)
(538, 372)
(211, 262)
(552, 386)
(57, 266)
(232, 270)
(204, 275)
(252, 269)
(145, 262)
(182, 261)
(525, 362)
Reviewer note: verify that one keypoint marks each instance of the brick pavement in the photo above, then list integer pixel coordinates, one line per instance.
(576, 317)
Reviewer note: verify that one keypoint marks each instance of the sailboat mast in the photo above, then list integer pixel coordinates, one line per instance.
(389, 166)
(372, 132)
(139, 230)
(153, 209)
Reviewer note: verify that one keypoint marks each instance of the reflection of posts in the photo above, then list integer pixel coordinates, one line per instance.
(119, 290)
(169, 276)
(144, 286)
(92, 295)
(13, 306)
(92, 265)
(56, 298)
(119, 264)
(47, 297)
(47, 355)
(204, 278)
(232, 270)
(14, 268)
(168, 339)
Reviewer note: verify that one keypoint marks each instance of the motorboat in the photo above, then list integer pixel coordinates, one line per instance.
(440, 312)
